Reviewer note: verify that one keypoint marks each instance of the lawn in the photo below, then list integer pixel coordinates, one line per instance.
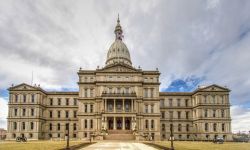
(183, 145)
(36, 145)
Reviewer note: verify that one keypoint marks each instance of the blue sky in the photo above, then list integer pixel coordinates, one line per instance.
(195, 42)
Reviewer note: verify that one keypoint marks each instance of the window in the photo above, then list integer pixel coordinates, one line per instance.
(91, 92)
(162, 114)
(222, 113)
(74, 126)
(16, 98)
(58, 135)
(179, 127)
(66, 114)
(24, 112)
(50, 114)
(126, 90)
(179, 115)
(15, 125)
(187, 114)
(163, 127)
(85, 134)
(214, 113)
(171, 114)
(58, 114)
(145, 92)
(91, 124)
(170, 102)
(186, 102)
(152, 108)
(75, 112)
(23, 125)
(118, 90)
(206, 112)
(51, 101)
(152, 93)
(215, 126)
(180, 136)
(67, 101)
(58, 127)
(85, 108)
(206, 126)
(188, 136)
(67, 126)
(31, 135)
(59, 101)
(32, 98)
(223, 127)
(24, 98)
(32, 112)
(146, 124)
(75, 101)
(152, 124)
(15, 112)
(91, 108)
(146, 108)
(50, 126)
(178, 102)
(85, 123)
(74, 135)
(14, 135)
(187, 127)
(85, 92)
(31, 125)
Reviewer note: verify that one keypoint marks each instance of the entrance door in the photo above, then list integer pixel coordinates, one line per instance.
(127, 124)
(110, 123)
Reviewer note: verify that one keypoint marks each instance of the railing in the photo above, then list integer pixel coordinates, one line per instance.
(104, 94)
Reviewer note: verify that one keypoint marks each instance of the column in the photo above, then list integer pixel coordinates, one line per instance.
(123, 105)
(114, 123)
(123, 123)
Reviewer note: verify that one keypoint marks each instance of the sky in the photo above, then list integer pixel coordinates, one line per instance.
(194, 42)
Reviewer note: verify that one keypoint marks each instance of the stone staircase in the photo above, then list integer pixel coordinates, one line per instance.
(119, 135)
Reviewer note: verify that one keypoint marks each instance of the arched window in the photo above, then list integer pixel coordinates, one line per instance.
(152, 124)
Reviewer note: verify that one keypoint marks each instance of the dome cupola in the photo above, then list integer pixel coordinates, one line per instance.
(118, 51)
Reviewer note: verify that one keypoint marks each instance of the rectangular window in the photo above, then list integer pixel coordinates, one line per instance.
(32, 98)
(146, 108)
(222, 113)
(23, 125)
(15, 125)
(214, 113)
(24, 112)
(51, 101)
(15, 112)
(67, 126)
(31, 125)
(67, 101)
(187, 114)
(66, 114)
(170, 102)
(145, 92)
(85, 123)
(58, 126)
(178, 102)
(91, 124)
(152, 108)
(59, 101)
(75, 112)
(58, 114)
(85, 92)
(16, 98)
(186, 102)
(162, 114)
(91, 108)
(171, 114)
(24, 98)
(152, 93)
(74, 126)
(223, 127)
(75, 101)
(91, 93)
(32, 112)
(85, 108)
(50, 114)
(127, 90)
(179, 115)
(50, 126)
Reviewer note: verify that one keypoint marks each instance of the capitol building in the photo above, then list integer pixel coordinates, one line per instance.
(119, 102)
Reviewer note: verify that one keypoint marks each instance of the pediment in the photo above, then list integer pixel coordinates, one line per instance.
(214, 87)
(118, 68)
(23, 86)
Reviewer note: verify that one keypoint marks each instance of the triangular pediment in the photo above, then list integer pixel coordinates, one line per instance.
(118, 68)
(24, 86)
(213, 87)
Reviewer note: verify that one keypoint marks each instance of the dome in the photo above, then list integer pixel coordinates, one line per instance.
(118, 51)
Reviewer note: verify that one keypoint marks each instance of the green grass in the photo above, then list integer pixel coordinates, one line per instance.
(36, 145)
(184, 145)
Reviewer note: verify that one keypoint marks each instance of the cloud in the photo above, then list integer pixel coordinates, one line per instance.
(3, 113)
(202, 39)
(240, 118)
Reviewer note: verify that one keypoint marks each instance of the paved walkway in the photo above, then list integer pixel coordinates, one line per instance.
(110, 145)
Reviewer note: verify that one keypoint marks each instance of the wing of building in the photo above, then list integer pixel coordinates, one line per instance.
(119, 102)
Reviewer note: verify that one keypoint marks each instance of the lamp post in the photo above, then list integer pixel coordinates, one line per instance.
(67, 127)
(171, 136)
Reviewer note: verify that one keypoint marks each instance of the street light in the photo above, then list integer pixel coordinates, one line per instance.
(67, 127)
